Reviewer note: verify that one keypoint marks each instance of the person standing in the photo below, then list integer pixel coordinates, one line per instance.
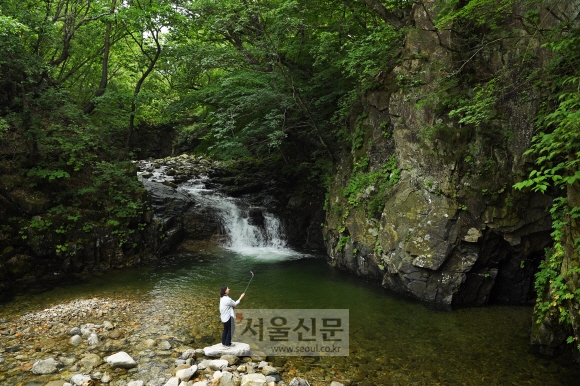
(227, 314)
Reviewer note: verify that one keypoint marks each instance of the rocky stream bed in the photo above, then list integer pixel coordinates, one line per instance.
(120, 341)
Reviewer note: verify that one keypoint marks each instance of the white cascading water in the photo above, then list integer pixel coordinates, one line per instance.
(242, 236)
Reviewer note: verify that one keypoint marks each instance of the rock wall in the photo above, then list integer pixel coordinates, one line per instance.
(452, 231)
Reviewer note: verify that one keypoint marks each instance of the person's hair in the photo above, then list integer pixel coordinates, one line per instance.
(223, 289)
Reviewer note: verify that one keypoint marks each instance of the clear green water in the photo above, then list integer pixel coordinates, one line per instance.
(392, 340)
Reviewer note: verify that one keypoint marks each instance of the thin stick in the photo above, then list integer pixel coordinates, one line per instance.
(249, 281)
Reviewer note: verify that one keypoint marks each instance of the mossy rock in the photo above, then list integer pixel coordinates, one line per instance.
(32, 202)
(19, 266)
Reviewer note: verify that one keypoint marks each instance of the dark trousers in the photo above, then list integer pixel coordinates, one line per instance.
(227, 333)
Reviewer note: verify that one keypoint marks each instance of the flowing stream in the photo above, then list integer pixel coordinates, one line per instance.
(393, 341)
(245, 233)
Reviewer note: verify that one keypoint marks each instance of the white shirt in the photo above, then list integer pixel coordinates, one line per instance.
(227, 308)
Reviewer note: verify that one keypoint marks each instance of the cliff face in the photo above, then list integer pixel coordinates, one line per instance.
(452, 230)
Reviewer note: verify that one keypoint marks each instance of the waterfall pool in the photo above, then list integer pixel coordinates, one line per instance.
(393, 341)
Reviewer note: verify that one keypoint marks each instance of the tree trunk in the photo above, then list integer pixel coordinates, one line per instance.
(105, 66)
(152, 62)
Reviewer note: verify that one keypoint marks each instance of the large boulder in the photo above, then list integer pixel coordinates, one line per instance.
(237, 349)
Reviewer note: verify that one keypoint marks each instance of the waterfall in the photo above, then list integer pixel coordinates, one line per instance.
(248, 229)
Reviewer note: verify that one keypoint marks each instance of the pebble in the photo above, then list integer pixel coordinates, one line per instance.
(79, 379)
(76, 340)
(68, 361)
(46, 366)
(121, 360)
(269, 370)
(106, 378)
(164, 345)
(186, 374)
(174, 381)
(93, 339)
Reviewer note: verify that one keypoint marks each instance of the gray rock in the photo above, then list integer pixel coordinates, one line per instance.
(135, 383)
(254, 380)
(334, 383)
(201, 383)
(262, 364)
(217, 350)
(218, 364)
(76, 340)
(227, 379)
(93, 339)
(149, 343)
(90, 361)
(79, 379)
(46, 366)
(122, 360)
(67, 361)
(75, 331)
(107, 325)
(269, 370)
(299, 382)
(106, 378)
(202, 365)
(232, 359)
(174, 381)
(273, 378)
(186, 374)
(187, 354)
(87, 329)
(60, 382)
(164, 345)
(216, 376)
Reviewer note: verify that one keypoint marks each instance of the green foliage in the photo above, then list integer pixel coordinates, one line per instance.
(556, 150)
(361, 185)
(342, 241)
(479, 12)
(480, 108)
